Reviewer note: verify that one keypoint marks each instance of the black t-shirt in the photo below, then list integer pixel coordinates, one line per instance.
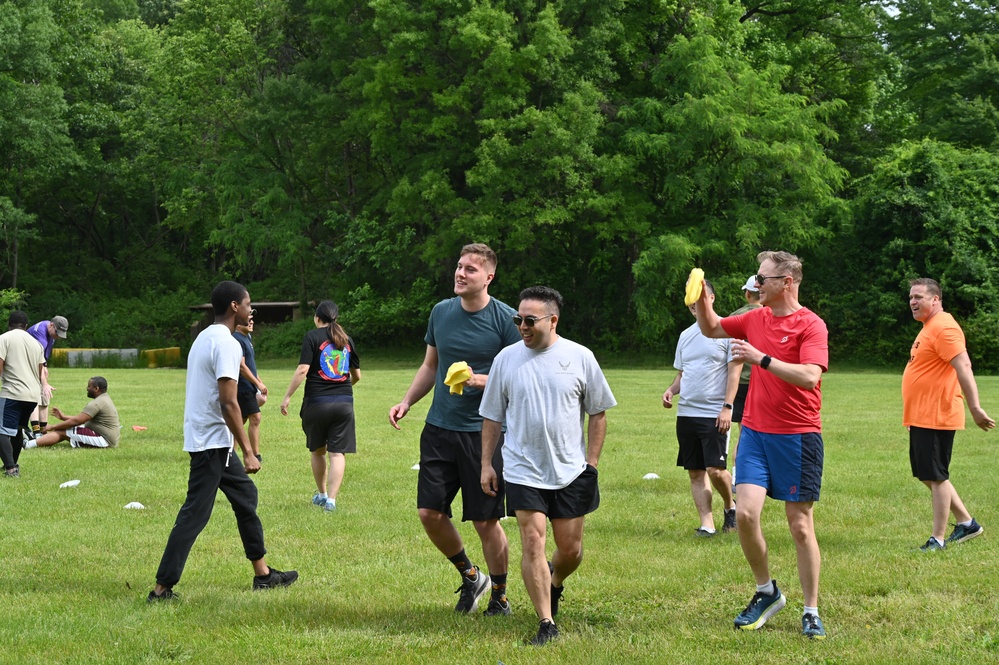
(244, 385)
(329, 367)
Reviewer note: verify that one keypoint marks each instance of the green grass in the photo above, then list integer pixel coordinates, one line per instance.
(77, 566)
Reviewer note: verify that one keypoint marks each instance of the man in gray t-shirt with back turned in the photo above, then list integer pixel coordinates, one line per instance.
(544, 389)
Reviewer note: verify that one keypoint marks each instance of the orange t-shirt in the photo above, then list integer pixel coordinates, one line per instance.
(931, 394)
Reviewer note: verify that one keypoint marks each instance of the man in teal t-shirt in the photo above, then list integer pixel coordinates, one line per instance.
(471, 328)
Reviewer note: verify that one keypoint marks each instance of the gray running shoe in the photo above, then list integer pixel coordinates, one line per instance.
(471, 590)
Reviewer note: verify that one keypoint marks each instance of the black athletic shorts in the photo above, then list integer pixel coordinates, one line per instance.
(929, 452)
(328, 422)
(450, 461)
(578, 498)
(701, 444)
(740, 402)
(247, 403)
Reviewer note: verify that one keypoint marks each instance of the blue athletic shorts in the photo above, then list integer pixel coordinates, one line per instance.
(789, 466)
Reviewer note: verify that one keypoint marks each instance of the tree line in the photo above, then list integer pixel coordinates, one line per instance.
(345, 149)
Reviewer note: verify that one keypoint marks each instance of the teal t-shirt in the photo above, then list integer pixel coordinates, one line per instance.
(476, 338)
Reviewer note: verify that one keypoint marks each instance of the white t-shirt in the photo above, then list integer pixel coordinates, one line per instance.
(543, 396)
(214, 355)
(704, 363)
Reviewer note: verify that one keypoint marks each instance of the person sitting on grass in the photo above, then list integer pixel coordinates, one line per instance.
(96, 426)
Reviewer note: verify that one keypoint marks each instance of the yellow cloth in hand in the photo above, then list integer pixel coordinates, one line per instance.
(694, 285)
(457, 374)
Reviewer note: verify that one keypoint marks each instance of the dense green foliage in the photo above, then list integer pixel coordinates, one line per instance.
(334, 148)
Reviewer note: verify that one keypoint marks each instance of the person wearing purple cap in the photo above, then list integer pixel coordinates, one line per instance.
(45, 333)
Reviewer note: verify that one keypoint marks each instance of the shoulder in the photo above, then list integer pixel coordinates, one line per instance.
(501, 307)
(806, 317)
(445, 306)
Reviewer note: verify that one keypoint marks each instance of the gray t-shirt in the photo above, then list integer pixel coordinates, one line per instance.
(543, 396)
(103, 419)
(474, 337)
(704, 363)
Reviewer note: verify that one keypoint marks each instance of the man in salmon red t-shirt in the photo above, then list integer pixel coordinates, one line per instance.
(780, 445)
(939, 369)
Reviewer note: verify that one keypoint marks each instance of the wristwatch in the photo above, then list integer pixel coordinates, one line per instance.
(765, 361)
(726, 405)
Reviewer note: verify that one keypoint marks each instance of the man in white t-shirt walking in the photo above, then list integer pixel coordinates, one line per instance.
(211, 419)
(544, 389)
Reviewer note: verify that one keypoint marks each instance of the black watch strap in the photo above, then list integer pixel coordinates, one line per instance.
(726, 405)
(765, 362)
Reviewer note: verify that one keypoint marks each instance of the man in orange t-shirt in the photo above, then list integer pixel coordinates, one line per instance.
(939, 370)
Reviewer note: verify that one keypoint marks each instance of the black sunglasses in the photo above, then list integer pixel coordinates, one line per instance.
(529, 320)
(760, 279)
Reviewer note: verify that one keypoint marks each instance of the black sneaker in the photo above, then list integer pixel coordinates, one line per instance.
(498, 607)
(471, 590)
(730, 521)
(168, 594)
(13, 472)
(963, 533)
(932, 545)
(556, 591)
(547, 631)
(274, 579)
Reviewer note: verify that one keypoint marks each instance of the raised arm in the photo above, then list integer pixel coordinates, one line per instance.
(707, 320)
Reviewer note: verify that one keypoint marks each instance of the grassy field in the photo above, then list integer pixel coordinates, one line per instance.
(77, 565)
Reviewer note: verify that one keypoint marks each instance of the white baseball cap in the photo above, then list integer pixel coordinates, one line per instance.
(751, 285)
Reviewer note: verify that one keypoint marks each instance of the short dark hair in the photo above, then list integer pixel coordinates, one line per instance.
(100, 383)
(17, 319)
(546, 294)
(709, 286)
(225, 293)
(932, 285)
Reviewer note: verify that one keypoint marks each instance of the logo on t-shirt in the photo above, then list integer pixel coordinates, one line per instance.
(334, 363)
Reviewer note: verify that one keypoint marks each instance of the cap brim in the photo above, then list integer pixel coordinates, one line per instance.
(61, 333)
